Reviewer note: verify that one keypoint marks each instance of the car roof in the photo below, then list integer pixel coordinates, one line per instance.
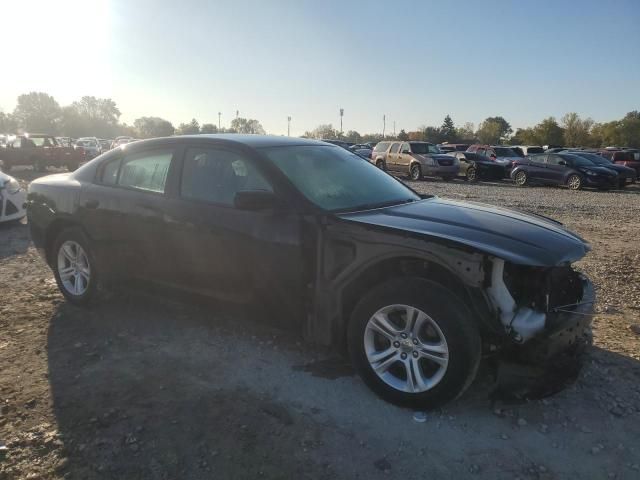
(255, 141)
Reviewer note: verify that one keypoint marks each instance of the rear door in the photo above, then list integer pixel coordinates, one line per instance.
(555, 173)
(393, 157)
(404, 157)
(536, 167)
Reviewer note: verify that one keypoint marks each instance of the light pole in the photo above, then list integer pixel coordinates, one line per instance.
(237, 113)
(394, 128)
(288, 125)
(384, 124)
(219, 113)
(341, 115)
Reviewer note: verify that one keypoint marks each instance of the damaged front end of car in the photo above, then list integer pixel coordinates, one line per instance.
(546, 314)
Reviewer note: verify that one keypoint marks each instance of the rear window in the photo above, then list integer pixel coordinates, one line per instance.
(504, 152)
(623, 157)
(381, 147)
(531, 150)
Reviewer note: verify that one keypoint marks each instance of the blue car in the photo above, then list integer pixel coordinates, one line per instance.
(562, 169)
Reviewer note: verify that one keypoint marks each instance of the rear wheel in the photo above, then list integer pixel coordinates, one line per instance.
(380, 164)
(74, 266)
(521, 178)
(414, 343)
(472, 174)
(415, 172)
(574, 182)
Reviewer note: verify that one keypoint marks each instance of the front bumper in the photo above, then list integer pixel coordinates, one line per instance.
(601, 182)
(547, 362)
(12, 205)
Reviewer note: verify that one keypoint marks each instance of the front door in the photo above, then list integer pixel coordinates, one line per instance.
(224, 251)
(393, 157)
(404, 157)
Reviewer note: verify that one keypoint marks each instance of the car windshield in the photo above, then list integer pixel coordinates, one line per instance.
(597, 159)
(504, 152)
(423, 148)
(337, 180)
(577, 161)
(535, 150)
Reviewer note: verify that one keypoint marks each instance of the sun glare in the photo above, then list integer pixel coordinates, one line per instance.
(65, 50)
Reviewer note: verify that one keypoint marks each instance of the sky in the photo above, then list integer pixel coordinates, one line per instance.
(413, 61)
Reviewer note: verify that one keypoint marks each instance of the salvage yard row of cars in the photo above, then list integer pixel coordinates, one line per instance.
(417, 289)
(574, 168)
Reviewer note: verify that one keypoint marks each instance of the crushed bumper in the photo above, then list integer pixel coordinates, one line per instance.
(546, 363)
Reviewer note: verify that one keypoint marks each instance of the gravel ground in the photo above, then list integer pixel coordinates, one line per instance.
(151, 388)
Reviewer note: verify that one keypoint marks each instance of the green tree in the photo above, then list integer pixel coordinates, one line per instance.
(494, 130)
(402, 135)
(247, 125)
(91, 116)
(7, 123)
(208, 128)
(448, 130)
(629, 130)
(353, 136)
(432, 134)
(576, 130)
(151, 127)
(322, 131)
(191, 128)
(466, 133)
(37, 112)
(547, 132)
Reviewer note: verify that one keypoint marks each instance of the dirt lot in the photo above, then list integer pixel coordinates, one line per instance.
(151, 388)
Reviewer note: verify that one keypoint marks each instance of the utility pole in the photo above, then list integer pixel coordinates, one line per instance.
(341, 115)
(394, 128)
(289, 126)
(237, 113)
(219, 113)
(384, 124)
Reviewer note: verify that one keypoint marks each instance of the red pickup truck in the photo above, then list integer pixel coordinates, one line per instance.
(39, 151)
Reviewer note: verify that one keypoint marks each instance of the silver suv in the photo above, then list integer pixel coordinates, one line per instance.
(416, 159)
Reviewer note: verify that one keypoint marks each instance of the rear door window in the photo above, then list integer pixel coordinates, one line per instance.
(394, 148)
(381, 147)
(146, 170)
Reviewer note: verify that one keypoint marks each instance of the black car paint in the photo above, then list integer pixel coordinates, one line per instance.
(625, 174)
(295, 256)
(541, 169)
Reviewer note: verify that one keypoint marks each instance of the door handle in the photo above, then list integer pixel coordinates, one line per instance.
(92, 204)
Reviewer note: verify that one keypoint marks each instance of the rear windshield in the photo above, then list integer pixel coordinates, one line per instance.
(623, 156)
(381, 147)
(535, 150)
(504, 152)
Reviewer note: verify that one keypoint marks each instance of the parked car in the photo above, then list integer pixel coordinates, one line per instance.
(90, 145)
(420, 288)
(555, 149)
(361, 149)
(524, 150)
(453, 147)
(416, 159)
(38, 151)
(64, 141)
(622, 157)
(13, 199)
(626, 175)
(505, 156)
(474, 166)
(562, 169)
(339, 143)
(123, 140)
(105, 145)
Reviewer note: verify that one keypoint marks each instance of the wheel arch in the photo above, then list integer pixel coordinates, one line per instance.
(52, 232)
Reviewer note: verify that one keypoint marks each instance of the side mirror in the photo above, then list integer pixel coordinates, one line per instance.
(254, 200)
(407, 152)
(562, 162)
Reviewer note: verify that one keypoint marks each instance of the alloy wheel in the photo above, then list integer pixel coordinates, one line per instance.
(521, 178)
(74, 268)
(471, 174)
(415, 172)
(574, 182)
(406, 348)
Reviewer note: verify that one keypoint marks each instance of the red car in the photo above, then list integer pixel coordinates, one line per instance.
(39, 151)
(628, 158)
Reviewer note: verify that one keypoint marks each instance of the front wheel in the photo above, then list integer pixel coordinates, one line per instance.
(415, 172)
(380, 165)
(574, 182)
(74, 266)
(521, 178)
(414, 343)
(472, 174)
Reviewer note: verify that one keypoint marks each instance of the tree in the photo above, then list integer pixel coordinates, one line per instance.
(547, 132)
(403, 135)
(629, 129)
(494, 130)
(37, 112)
(91, 116)
(323, 131)
(244, 125)
(7, 123)
(448, 130)
(150, 127)
(466, 133)
(191, 128)
(576, 130)
(208, 128)
(353, 136)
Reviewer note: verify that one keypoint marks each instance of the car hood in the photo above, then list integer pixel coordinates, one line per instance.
(514, 236)
(600, 170)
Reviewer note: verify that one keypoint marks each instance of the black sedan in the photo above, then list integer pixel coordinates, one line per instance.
(474, 166)
(415, 286)
(562, 169)
(626, 175)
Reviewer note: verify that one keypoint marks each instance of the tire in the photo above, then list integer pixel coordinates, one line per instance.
(380, 164)
(415, 172)
(472, 174)
(441, 314)
(84, 273)
(574, 182)
(521, 178)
